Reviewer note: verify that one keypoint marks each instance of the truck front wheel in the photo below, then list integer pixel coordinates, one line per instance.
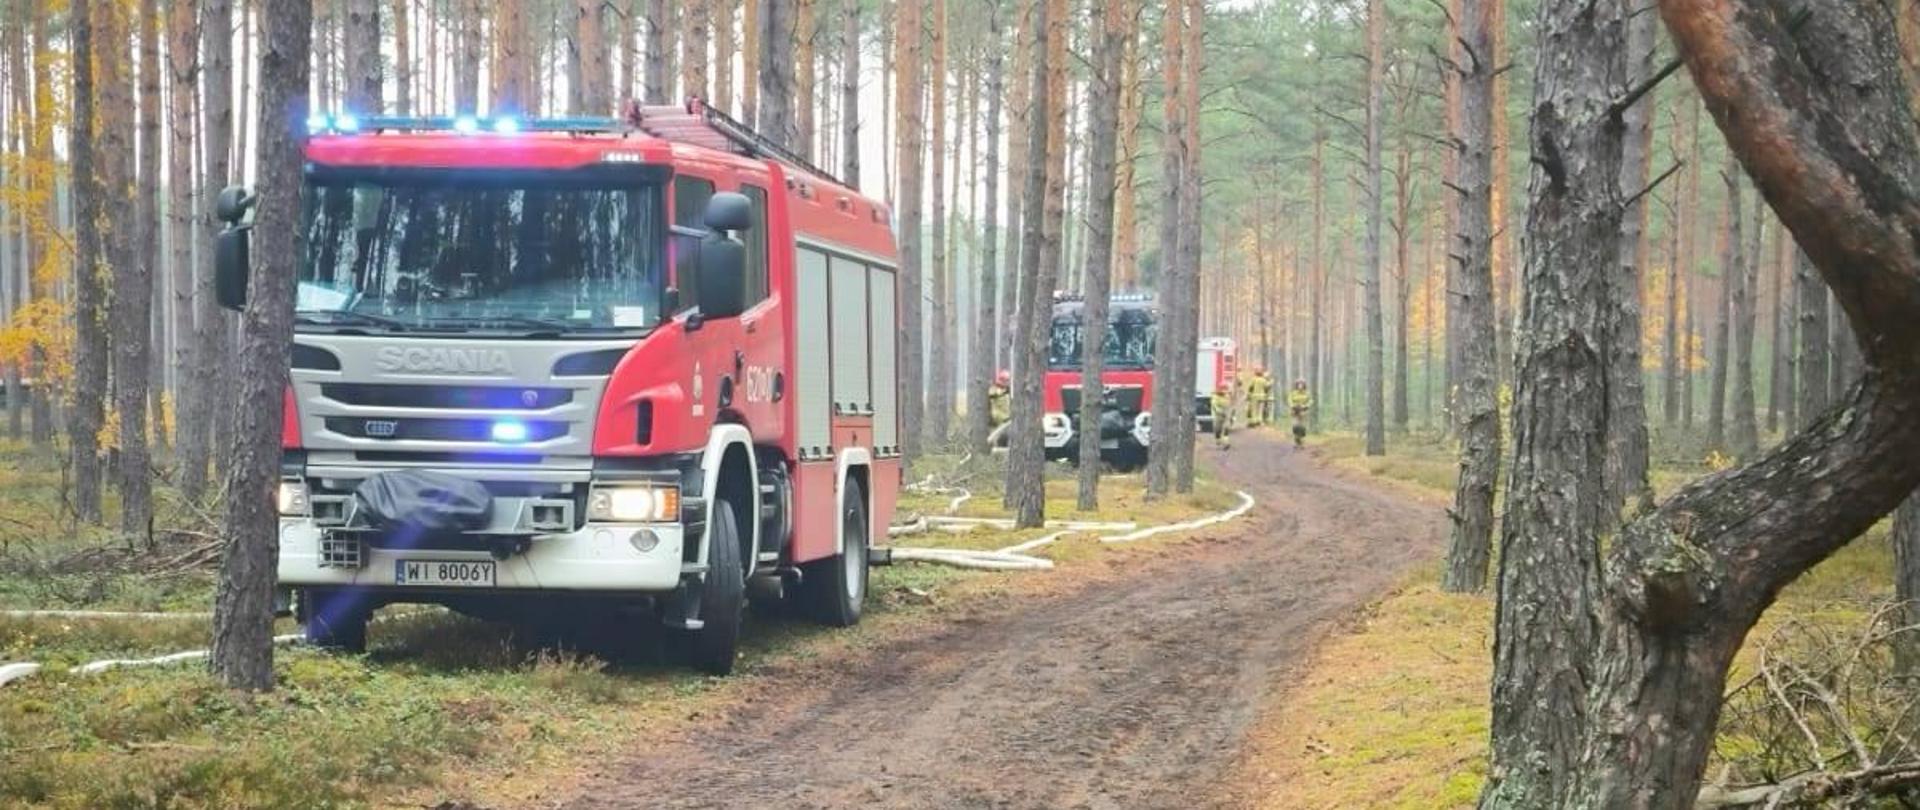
(836, 587)
(722, 596)
(334, 620)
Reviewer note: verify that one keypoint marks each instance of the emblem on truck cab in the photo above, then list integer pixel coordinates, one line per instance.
(437, 360)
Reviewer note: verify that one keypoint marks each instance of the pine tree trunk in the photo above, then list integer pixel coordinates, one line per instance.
(777, 83)
(1731, 264)
(1402, 280)
(1479, 417)
(1906, 579)
(128, 235)
(1780, 393)
(87, 410)
(806, 77)
(1676, 356)
(1126, 218)
(1026, 457)
(909, 159)
(850, 92)
(939, 417)
(1104, 123)
(242, 654)
(1019, 114)
(15, 217)
(1745, 431)
(981, 359)
(40, 187)
(467, 56)
(1627, 441)
(658, 90)
(1168, 385)
(183, 56)
(1376, 435)
(150, 250)
(198, 423)
(515, 89)
(402, 60)
(588, 77)
(1187, 349)
(362, 46)
(721, 14)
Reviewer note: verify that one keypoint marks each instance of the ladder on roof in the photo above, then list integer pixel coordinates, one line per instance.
(701, 125)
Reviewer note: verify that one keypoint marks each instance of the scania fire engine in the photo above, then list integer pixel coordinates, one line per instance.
(1132, 324)
(633, 368)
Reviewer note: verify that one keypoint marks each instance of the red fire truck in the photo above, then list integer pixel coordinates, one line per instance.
(1217, 367)
(633, 368)
(1132, 326)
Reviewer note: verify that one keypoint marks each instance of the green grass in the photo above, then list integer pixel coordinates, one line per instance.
(435, 694)
(1394, 713)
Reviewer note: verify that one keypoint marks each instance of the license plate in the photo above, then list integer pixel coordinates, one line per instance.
(443, 573)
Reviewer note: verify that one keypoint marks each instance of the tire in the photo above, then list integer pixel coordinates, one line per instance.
(836, 587)
(713, 648)
(334, 620)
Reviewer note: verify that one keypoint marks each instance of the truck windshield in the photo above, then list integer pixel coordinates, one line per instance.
(1129, 343)
(438, 252)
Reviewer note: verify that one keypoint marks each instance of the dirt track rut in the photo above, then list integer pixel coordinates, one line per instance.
(1132, 691)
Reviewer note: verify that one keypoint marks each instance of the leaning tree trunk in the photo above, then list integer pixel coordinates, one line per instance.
(1104, 124)
(980, 360)
(1376, 433)
(242, 653)
(1612, 657)
(1471, 543)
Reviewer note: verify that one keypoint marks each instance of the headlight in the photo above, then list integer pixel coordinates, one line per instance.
(1055, 423)
(293, 498)
(634, 504)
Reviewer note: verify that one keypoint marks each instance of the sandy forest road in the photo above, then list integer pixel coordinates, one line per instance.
(1133, 690)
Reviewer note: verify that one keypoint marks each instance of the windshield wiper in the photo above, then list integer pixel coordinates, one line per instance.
(343, 317)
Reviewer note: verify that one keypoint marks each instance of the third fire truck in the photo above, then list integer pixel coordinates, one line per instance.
(1125, 411)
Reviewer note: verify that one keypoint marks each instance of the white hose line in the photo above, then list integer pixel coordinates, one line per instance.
(972, 558)
(1035, 543)
(13, 672)
(1007, 523)
(1246, 503)
(100, 614)
(954, 505)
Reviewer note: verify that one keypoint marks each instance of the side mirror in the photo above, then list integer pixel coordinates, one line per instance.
(232, 204)
(231, 265)
(722, 291)
(729, 211)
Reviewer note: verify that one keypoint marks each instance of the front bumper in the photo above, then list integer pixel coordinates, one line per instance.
(598, 557)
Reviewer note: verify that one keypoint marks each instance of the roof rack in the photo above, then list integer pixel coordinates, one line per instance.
(347, 124)
(697, 123)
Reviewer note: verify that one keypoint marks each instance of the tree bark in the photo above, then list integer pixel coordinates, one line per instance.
(657, 87)
(850, 94)
(1471, 541)
(1376, 433)
(1731, 263)
(40, 183)
(1906, 579)
(1780, 393)
(589, 79)
(1168, 386)
(1126, 221)
(1026, 458)
(939, 417)
(402, 60)
(1746, 431)
(777, 87)
(362, 48)
(694, 42)
(806, 78)
(1110, 22)
(909, 160)
(151, 250)
(87, 410)
(183, 56)
(1556, 502)
(1811, 293)
(1186, 349)
(1608, 685)
(242, 654)
(1627, 441)
(1019, 114)
(721, 14)
(467, 54)
(198, 422)
(981, 359)
(514, 87)
(129, 238)
(1402, 279)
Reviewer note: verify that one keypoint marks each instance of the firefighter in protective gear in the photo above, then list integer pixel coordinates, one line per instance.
(1259, 398)
(999, 400)
(1299, 401)
(1222, 403)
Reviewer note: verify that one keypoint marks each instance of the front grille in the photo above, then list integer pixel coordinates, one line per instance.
(435, 430)
(1127, 399)
(428, 457)
(453, 397)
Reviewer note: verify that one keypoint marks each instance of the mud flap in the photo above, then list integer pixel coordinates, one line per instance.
(681, 611)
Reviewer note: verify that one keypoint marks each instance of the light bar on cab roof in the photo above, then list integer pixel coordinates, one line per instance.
(1062, 296)
(348, 123)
